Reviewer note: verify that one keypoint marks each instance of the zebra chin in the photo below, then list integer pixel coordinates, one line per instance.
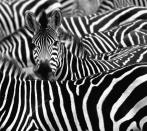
(44, 72)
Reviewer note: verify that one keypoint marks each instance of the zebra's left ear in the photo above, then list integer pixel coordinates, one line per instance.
(56, 18)
(31, 22)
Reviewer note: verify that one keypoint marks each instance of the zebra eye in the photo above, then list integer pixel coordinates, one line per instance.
(55, 43)
(33, 46)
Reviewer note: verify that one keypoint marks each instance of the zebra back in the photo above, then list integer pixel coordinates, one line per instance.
(126, 56)
(10, 67)
(128, 34)
(109, 5)
(114, 101)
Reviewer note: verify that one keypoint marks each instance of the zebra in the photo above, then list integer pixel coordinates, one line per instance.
(119, 37)
(106, 65)
(109, 5)
(67, 6)
(114, 101)
(101, 42)
(124, 3)
(18, 46)
(137, 36)
(128, 55)
(136, 52)
(85, 24)
(52, 58)
(97, 23)
(21, 47)
(12, 15)
(12, 12)
(11, 68)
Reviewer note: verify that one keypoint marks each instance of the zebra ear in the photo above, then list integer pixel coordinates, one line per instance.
(31, 22)
(56, 18)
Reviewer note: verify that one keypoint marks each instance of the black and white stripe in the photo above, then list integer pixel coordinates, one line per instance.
(19, 47)
(74, 68)
(125, 3)
(80, 25)
(12, 15)
(127, 56)
(10, 67)
(125, 35)
(109, 5)
(114, 101)
(52, 58)
(67, 7)
(94, 23)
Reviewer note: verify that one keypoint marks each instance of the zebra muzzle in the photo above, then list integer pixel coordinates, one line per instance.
(44, 71)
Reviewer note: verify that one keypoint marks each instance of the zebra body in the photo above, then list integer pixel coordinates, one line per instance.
(114, 101)
(130, 55)
(109, 5)
(11, 68)
(125, 3)
(77, 25)
(74, 68)
(126, 56)
(128, 34)
(133, 51)
(95, 23)
(137, 36)
(19, 46)
(102, 42)
(52, 58)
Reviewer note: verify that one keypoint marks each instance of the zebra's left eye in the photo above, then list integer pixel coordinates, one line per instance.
(33, 46)
(56, 43)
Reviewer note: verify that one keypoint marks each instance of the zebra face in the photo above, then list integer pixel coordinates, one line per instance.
(47, 50)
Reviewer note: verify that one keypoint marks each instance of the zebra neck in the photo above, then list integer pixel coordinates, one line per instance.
(68, 66)
(10, 67)
(17, 33)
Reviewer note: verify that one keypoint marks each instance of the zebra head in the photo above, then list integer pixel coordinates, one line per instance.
(47, 50)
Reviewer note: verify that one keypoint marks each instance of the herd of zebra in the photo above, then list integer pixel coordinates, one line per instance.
(61, 71)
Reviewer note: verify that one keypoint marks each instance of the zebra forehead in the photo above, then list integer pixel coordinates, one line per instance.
(43, 20)
(45, 36)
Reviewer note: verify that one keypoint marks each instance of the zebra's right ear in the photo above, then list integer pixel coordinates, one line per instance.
(31, 22)
(56, 19)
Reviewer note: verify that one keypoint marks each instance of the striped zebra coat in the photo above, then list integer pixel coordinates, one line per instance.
(128, 34)
(114, 101)
(76, 25)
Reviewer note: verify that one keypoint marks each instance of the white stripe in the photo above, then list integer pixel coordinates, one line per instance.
(44, 102)
(82, 25)
(62, 108)
(75, 27)
(73, 108)
(37, 107)
(11, 107)
(19, 107)
(51, 103)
